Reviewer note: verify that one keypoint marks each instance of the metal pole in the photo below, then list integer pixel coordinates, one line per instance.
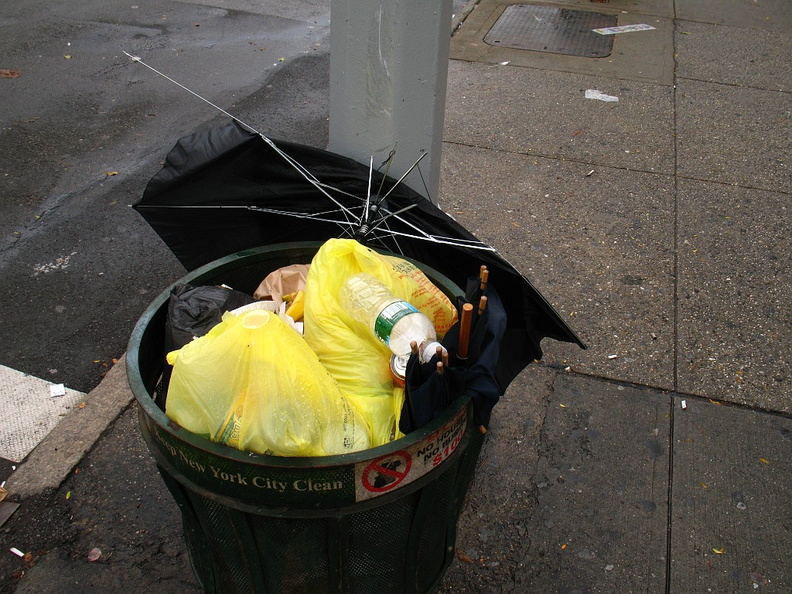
(388, 75)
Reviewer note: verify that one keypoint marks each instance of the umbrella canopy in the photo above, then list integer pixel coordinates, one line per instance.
(225, 189)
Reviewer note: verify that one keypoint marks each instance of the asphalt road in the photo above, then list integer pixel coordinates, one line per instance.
(82, 130)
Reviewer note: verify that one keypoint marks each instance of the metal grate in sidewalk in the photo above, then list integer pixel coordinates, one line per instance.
(553, 30)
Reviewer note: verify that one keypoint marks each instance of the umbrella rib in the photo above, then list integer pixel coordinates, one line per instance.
(465, 243)
(307, 175)
(385, 218)
(315, 216)
(299, 168)
(301, 215)
(381, 241)
(474, 244)
(387, 164)
(365, 214)
(406, 173)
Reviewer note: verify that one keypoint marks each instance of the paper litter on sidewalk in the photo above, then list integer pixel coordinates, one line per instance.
(30, 409)
(595, 94)
(622, 29)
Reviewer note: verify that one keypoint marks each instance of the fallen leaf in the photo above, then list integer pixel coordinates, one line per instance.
(764, 461)
(94, 554)
(563, 547)
(8, 73)
(562, 405)
(82, 405)
(464, 557)
(719, 551)
(68, 495)
(110, 173)
(67, 56)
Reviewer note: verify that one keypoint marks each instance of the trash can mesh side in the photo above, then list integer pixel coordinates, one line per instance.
(294, 553)
(402, 546)
(378, 557)
(433, 555)
(221, 527)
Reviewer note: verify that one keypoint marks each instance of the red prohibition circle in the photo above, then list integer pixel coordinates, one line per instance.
(388, 478)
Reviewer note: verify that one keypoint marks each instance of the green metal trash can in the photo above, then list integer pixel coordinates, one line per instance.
(382, 520)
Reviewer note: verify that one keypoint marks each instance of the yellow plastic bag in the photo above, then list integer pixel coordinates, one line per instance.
(254, 384)
(357, 360)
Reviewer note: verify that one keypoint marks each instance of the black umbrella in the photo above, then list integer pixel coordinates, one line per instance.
(430, 387)
(226, 189)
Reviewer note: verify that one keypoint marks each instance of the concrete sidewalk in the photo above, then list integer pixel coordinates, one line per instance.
(659, 459)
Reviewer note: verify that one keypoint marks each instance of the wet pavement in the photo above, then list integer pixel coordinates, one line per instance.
(658, 459)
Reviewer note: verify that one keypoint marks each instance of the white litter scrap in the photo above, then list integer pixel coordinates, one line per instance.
(623, 29)
(57, 390)
(595, 94)
(29, 411)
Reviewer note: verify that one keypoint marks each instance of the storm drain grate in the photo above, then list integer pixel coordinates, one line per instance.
(552, 30)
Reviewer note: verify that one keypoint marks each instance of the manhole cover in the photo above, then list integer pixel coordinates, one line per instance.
(553, 30)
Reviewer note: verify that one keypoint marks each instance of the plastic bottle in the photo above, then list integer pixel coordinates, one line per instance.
(394, 321)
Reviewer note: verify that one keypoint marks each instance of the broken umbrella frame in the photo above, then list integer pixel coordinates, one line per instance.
(231, 188)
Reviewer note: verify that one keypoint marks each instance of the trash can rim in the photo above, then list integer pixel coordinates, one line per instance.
(157, 415)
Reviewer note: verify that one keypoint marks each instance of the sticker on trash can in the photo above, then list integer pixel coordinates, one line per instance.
(386, 473)
(392, 471)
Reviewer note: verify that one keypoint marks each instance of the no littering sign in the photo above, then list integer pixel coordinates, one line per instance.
(397, 469)
(386, 473)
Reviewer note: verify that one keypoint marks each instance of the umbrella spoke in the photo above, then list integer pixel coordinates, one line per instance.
(406, 173)
(296, 165)
(305, 215)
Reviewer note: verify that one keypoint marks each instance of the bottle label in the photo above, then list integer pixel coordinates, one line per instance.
(388, 318)
(229, 432)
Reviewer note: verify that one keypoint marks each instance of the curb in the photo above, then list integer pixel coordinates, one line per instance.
(48, 465)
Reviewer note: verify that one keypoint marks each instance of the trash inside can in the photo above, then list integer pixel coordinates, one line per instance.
(378, 520)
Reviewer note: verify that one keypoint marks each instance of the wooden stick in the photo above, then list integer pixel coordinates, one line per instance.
(464, 330)
(483, 277)
(482, 304)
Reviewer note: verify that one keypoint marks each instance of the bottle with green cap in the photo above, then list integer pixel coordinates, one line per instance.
(393, 321)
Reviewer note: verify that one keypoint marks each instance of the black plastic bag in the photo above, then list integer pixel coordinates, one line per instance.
(193, 311)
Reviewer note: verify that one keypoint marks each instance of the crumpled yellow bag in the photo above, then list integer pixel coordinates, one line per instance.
(357, 360)
(254, 384)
